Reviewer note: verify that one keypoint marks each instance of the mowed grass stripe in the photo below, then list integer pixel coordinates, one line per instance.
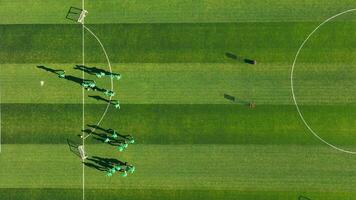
(160, 83)
(173, 11)
(189, 167)
(139, 194)
(162, 43)
(186, 83)
(266, 42)
(181, 124)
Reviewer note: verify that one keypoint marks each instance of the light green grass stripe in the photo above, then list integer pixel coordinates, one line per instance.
(138, 194)
(187, 83)
(179, 43)
(208, 167)
(172, 11)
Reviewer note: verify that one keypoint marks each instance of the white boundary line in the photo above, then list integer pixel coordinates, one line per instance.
(112, 82)
(83, 91)
(292, 86)
(83, 96)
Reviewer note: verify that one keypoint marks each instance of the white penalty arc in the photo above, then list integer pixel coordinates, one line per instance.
(292, 85)
(112, 82)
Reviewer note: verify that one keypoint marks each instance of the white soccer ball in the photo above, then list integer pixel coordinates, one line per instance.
(42, 83)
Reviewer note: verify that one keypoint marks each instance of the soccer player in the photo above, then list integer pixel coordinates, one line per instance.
(109, 93)
(118, 167)
(114, 135)
(114, 75)
(108, 174)
(88, 84)
(61, 74)
(122, 146)
(130, 139)
(130, 168)
(107, 140)
(99, 74)
(116, 103)
(113, 170)
(124, 174)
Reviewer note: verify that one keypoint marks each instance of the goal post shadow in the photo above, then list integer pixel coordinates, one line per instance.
(73, 147)
(73, 13)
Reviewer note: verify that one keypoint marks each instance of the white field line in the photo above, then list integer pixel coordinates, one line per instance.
(83, 102)
(112, 84)
(0, 117)
(292, 86)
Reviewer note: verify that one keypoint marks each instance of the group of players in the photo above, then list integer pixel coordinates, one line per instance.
(121, 144)
(91, 84)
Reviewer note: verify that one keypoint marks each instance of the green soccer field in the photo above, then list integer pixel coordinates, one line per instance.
(178, 59)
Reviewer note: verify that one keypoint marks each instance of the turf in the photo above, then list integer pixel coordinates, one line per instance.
(191, 142)
(322, 170)
(162, 43)
(174, 11)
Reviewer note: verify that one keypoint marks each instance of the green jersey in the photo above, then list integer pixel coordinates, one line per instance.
(120, 148)
(124, 174)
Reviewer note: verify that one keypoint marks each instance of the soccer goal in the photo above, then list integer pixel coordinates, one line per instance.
(76, 14)
(82, 152)
(77, 149)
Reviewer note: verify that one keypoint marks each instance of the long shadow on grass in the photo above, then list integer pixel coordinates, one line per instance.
(70, 77)
(102, 164)
(47, 69)
(91, 70)
(235, 100)
(99, 98)
(108, 131)
(101, 137)
(239, 58)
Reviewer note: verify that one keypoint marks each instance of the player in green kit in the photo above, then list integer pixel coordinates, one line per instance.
(116, 103)
(124, 174)
(130, 139)
(61, 74)
(108, 174)
(109, 93)
(107, 140)
(130, 168)
(122, 146)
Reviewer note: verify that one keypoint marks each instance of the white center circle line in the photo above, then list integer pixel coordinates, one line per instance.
(292, 86)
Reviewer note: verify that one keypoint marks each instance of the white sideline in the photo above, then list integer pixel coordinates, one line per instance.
(83, 95)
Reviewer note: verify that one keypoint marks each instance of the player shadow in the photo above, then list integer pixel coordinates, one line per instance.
(80, 81)
(70, 77)
(91, 70)
(102, 164)
(47, 69)
(99, 98)
(235, 100)
(101, 137)
(108, 131)
(239, 58)
(303, 198)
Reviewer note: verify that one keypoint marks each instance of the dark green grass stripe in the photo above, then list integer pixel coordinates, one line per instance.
(181, 124)
(134, 194)
(266, 42)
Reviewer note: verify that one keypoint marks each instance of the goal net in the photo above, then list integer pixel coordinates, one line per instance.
(82, 152)
(77, 149)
